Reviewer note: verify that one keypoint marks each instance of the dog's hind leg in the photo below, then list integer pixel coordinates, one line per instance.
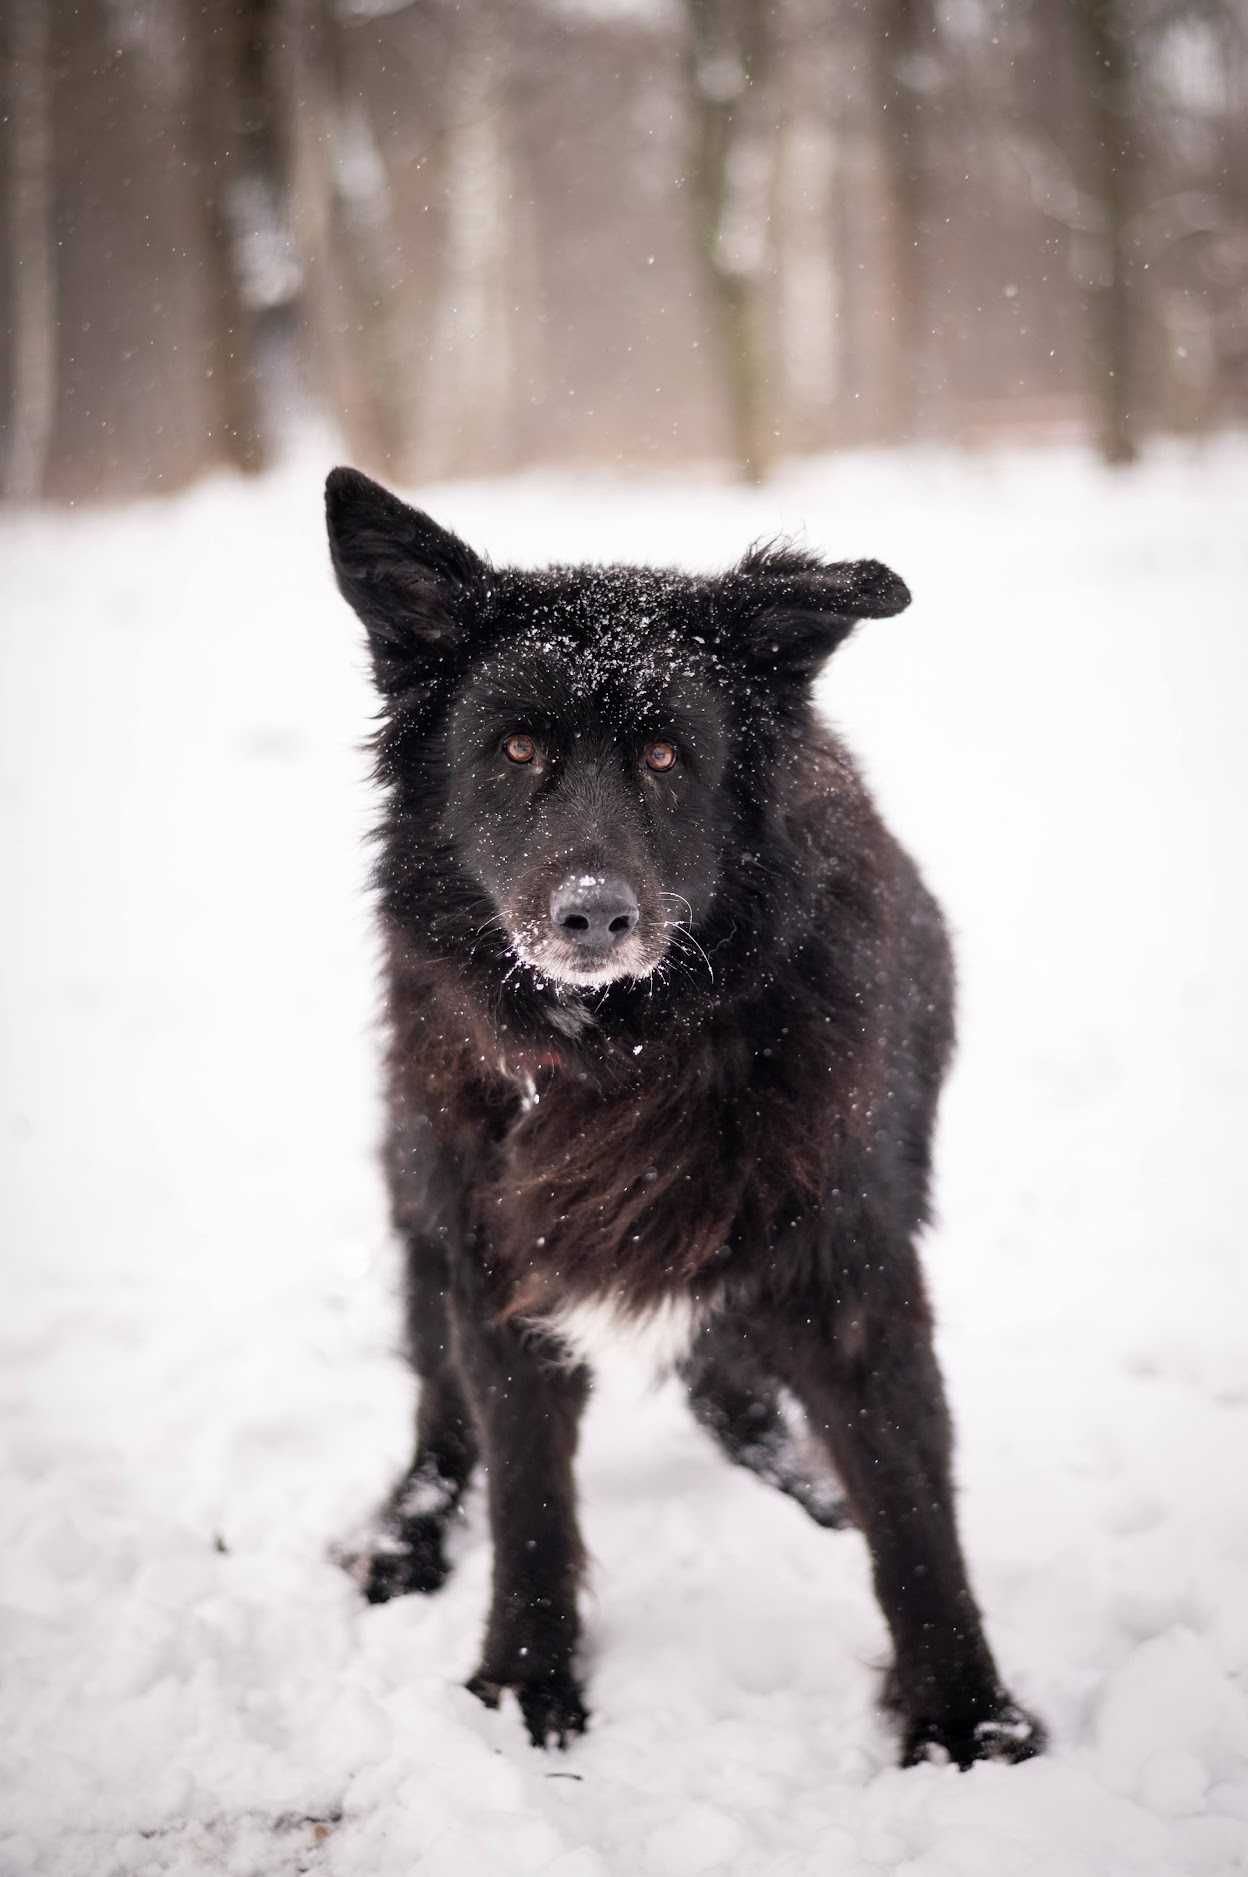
(739, 1405)
(404, 1548)
(872, 1389)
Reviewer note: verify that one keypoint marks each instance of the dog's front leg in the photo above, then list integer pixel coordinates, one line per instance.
(869, 1381)
(527, 1408)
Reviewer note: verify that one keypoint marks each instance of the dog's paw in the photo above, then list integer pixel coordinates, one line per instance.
(552, 1706)
(1006, 1733)
(396, 1560)
(823, 1501)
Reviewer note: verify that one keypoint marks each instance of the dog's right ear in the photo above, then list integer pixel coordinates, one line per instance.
(415, 586)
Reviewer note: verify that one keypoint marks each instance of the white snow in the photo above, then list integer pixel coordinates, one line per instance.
(199, 1393)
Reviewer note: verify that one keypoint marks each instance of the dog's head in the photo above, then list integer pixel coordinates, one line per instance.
(569, 749)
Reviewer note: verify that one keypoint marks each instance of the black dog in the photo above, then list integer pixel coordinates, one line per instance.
(669, 1011)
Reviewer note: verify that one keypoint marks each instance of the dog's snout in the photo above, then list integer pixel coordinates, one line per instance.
(594, 911)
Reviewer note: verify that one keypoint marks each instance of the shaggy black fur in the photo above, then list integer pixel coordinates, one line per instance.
(669, 1011)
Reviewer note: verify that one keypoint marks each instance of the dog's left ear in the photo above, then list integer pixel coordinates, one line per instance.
(415, 586)
(785, 611)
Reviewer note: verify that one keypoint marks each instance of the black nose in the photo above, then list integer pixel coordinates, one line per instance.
(594, 910)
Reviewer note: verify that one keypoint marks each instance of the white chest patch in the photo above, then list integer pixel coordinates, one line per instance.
(597, 1329)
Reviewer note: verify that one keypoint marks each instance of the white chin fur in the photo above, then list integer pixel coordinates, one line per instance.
(596, 1329)
(591, 980)
(627, 963)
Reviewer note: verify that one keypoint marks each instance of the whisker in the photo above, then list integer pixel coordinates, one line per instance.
(684, 937)
(665, 894)
(494, 923)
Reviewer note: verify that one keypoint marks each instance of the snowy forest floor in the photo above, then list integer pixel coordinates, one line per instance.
(199, 1386)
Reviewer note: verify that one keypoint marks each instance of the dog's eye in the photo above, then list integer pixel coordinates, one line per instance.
(519, 749)
(660, 756)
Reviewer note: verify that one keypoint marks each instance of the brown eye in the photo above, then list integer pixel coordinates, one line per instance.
(520, 749)
(660, 756)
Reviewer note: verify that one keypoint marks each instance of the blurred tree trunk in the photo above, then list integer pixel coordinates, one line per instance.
(32, 405)
(898, 31)
(1101, 38)
(218, 44)
(732, 154)
(269, 267)
(844, 366)
(341, 218)
(470, 403)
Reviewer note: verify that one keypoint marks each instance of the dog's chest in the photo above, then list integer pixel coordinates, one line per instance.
(600, 1213)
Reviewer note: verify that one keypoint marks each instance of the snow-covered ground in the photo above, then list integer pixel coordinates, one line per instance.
(199, 1391)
